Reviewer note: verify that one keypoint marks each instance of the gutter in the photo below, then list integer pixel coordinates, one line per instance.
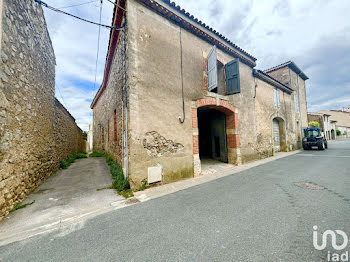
(265, 77)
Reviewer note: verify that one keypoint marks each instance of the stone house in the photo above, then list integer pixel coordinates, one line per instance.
(327, 126)
(36, 130)
(341, 119)
(176, 93)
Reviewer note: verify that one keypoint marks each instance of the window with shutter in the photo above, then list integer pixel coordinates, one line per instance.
(212, 69)
(277, 98)
(232, 77)
(296, 101)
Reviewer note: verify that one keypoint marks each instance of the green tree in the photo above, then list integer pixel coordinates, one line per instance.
(85, 135)
(314, 124)
(338, 132)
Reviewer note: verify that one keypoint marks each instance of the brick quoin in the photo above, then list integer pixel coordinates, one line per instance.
(205, 83)
(205, 65)
(194, 118)
(233, 141)
(205, 74)
(195, 145)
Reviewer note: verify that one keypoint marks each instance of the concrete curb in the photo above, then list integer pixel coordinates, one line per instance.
(163, 190)
(22, 233)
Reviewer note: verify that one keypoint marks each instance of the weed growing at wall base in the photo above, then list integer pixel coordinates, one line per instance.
(18, 206)
(120, 183)
(64, 164)
(97, 154)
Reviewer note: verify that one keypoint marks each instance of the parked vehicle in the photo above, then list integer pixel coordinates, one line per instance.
(314, 137)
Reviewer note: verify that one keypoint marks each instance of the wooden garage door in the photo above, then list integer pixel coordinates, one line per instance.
(276, 135)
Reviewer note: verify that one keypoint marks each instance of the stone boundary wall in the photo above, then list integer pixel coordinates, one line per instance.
(68, 136)
(35, 131)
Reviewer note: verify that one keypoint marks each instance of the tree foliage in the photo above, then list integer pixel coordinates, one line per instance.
(314, 124)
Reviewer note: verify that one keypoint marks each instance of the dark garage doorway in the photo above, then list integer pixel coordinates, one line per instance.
(212, 134)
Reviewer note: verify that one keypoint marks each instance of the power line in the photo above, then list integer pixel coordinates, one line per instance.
(77, 4)
(63, 102)
(117, 5)
(77, 17)
(98, 45)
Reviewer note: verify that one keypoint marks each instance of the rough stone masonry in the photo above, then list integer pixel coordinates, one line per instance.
(36, 131)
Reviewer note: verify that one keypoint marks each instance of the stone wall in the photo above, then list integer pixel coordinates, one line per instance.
(68, 136)
(266, 112)
(107, 112)
(156, 136)
(28, 131)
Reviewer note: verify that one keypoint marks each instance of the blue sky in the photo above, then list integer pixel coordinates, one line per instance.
(315, 34)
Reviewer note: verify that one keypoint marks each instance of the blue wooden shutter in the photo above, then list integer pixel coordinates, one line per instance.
(212, 69)
(232, 77)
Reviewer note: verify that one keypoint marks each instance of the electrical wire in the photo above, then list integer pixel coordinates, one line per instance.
(98, 45)
(77, 4)
(63, 102)
(117, 5)
(182, 120)
(77, 17)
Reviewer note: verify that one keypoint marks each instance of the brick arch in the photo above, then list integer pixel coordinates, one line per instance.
(232, 136)
(220, 105)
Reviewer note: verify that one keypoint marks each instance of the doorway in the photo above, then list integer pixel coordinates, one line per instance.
(212, 134)
(279, 137)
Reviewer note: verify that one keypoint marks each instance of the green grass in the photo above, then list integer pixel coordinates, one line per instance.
(97, 154)
(120, 183)
(19, 206)
(104, 188)
(64, 164)
(143, 186)
(126, 193)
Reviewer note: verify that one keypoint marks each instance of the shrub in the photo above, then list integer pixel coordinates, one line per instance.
(97, 154)
(79, 155)
(120, 183)
(64, 164)
(314, 124)
(109, 160)
(338, 132)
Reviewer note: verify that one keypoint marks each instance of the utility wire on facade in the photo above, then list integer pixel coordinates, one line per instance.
(77, 17)
(98, 45)
(78, 4)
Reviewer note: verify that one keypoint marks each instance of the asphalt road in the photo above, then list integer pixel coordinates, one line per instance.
(260, 214)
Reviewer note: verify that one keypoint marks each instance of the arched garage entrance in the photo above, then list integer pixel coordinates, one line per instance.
(212, 134)
(215, 133)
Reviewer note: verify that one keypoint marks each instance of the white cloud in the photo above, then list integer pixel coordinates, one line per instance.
(75, 45)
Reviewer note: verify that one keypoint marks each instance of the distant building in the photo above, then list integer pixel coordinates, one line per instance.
(328, 126)
(342, 119)
(89, 144)
(176, 92)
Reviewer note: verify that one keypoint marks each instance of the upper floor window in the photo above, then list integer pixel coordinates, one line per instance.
(296, 102)
(277, 98)
(222, 76)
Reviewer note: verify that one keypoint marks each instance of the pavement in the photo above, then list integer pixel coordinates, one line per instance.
(265, 212)
(65, 197)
